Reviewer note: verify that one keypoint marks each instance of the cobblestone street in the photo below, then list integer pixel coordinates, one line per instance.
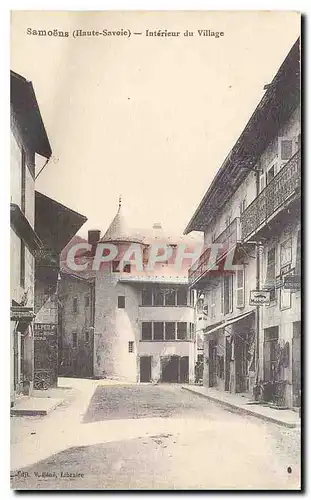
(168, 438)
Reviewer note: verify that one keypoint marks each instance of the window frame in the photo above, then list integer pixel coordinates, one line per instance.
(121, 300)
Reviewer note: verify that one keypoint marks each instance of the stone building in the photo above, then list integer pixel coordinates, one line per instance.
(40, 228)
(143, 319)
(252, 211)
(29, 142)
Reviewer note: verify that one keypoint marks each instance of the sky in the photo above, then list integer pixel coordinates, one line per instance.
(151, 118)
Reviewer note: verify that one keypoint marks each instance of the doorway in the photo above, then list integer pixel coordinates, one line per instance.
(296, 363)
(145, 369)
(212, 356)
(170, 369)
(184, 370)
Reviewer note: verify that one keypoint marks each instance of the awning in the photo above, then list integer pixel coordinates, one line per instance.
(228, 322)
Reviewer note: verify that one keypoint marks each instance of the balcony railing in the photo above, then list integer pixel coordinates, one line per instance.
(282, 187)
(228, 239)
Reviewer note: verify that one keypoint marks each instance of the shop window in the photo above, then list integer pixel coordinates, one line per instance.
(158, 330)
(170, 328)
(121, 302)
(146, 330)
(270, 353)
(181, 331)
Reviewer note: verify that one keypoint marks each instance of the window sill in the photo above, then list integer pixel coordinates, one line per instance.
(186, 305)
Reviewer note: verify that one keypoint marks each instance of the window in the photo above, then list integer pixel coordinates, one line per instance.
(286, 149)
(240, 295)
(87, 300)
(271, 336)
(146, 330)
(170, 328)
(147, 297)
(158, 330)
(170, 297)
(298, 254)
(242, 206)
(182, 296)
(87, 336)
(228, 221)
(75, 305)
(213, 303)
(127, 268)
(158, 297)
(270, 174)
(228, 293)
(191, 331)
(270, 276)
(262, 183)
(22, 265)
(23, 181)
(121, 302)
(131, 346)
(192, 297)
(286, 252)
(181, 331)
(115, 266)
(74, 339)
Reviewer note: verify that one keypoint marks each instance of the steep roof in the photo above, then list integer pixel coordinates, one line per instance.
(26, 109)
(119, 231)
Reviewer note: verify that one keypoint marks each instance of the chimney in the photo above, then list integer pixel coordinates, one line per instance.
(92, 238)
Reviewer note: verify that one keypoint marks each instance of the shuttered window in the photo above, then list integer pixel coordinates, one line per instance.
(270, 275)
(286, 147)
(298, 254)
(240, 293)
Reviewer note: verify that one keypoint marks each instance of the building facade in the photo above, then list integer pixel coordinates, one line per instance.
(252, 211)
(40, 228)
(143, 319)
(29, 142)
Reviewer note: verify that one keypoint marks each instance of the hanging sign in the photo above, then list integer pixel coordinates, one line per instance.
(259, 297)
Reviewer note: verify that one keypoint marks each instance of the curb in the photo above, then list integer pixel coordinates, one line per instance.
(243, 410)
(33, 412)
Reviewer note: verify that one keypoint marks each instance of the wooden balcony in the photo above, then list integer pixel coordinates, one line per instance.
(228, 239)
(277, 195)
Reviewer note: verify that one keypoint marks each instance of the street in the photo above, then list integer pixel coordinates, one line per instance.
(165, 438)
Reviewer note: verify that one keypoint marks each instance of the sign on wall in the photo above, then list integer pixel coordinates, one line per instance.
(292, 282)
(46, 355)
(259, 297)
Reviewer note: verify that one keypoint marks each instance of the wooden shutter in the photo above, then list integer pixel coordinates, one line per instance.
(240, 293)
(286, 149)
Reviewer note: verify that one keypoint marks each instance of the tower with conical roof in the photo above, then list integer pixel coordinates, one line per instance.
(117, 334)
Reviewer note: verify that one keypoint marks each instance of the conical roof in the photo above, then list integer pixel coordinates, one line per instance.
(119, 231)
